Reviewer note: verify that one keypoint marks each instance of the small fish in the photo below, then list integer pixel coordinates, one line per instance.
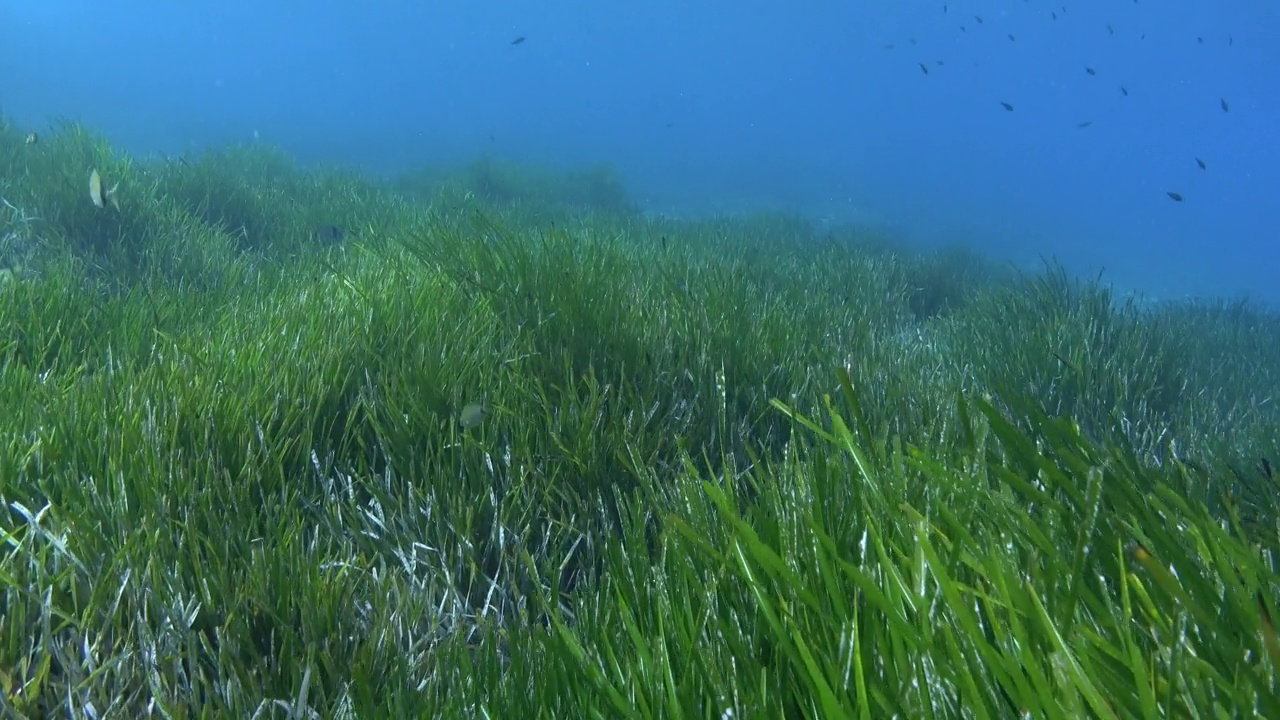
(1225, 106)
(1054, 14)
(1111, 30)
(32, 138)
(1176, 197)
(1124, 91)
(1084, 124)
(518, 40)
(1201, 164)
(100, 196)
(924, 68)
(1199, 41)
(978, 18)
(1090, 70)
(329, 234)
(1138, 552)
(1006, 106)
(1012, 38)
(1265, 466)
(472, 415)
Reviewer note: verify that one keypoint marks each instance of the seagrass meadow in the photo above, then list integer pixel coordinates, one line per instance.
(506, 447)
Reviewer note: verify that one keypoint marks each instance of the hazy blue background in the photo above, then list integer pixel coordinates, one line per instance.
(737, 105)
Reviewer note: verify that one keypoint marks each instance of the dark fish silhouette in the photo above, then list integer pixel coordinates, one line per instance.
(1176, 197)
(518, 40)
(1124, 91)
(1012, 38)
(1225, 106)
(1090, 70)
(1085, 124)
(329, 234)
(1201, 164)
(924, 68)
(1006, 106)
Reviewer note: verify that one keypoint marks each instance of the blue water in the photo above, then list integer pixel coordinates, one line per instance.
(730, 106)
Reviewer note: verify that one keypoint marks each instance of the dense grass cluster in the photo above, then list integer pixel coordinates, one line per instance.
(726, 468)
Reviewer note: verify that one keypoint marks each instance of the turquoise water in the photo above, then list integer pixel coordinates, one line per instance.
(820, 108)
